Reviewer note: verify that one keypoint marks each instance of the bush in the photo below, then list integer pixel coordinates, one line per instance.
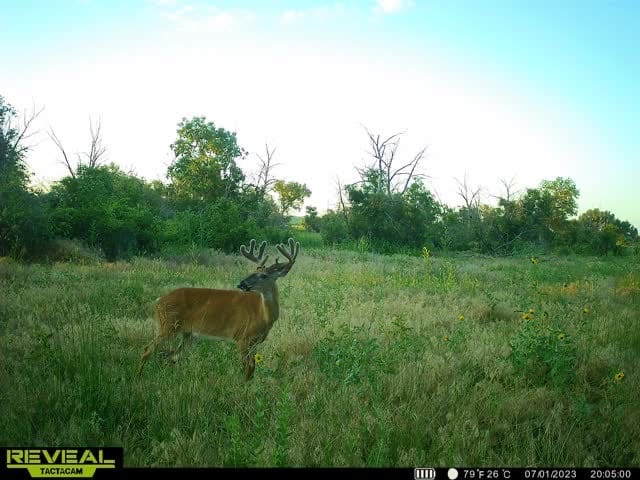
(333, 228)
(107, 209)
(74, 251)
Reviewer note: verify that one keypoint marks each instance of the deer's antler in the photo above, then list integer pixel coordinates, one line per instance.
(291, 255)
(251, 256)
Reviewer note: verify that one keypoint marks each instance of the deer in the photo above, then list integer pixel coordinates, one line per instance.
(244, 316)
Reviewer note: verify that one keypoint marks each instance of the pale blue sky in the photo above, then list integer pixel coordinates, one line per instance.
(497, 89)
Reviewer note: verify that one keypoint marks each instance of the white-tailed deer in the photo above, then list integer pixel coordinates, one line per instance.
(243, 316)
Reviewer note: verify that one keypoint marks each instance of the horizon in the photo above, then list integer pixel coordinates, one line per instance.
(494, 90)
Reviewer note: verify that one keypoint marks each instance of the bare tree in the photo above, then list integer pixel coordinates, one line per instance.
(23, 131)
(343, 207)
(65, 158)
(97, 151)
(469, 195)
(93, 156)
(392, 179)
(265, 179)
(509, 189)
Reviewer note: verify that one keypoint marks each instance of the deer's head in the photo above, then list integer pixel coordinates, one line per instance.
(266, 275)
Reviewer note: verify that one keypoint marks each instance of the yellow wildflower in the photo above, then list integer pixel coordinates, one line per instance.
(258, 358)
(446, 338)
(460, 317)
(586, 310)
(534, 260)
(618, 376)
(561, 336)
(531, 311)
(425, 252)
(527, 316)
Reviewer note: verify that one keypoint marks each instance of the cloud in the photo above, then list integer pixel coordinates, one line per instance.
(392, 6)
(323, 13)
(199, 19)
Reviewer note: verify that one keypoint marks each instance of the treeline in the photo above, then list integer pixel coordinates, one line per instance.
(389, 210)
(208, 202)
(537, 220)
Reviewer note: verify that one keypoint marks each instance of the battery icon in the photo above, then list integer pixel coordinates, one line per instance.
(424, 473)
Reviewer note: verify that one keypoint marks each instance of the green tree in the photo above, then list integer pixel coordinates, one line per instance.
(24, 223)
(564, 202)
(290, 195)
(205, 167)
(311, 219)
(107, 208)
(601, 232)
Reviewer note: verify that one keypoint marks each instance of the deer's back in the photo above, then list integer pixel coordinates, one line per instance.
(214, 312)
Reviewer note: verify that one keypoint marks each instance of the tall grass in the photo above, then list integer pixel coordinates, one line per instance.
(375, 360)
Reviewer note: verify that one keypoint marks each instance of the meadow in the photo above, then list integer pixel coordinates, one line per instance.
(423, 360)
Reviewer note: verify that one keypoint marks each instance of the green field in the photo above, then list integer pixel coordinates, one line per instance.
(375, 361)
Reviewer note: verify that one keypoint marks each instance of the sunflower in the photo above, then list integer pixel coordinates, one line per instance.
(258, 358)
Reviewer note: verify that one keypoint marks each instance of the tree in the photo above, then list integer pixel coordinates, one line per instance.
(564, 201)
(602, 232)
(311, 219)
(93, 157)
(266, 180)
(24, 224)
(384, 175)
(390, 205)
(107, 208)
(205, 165)
(290, 195)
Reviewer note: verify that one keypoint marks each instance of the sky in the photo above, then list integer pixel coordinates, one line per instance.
(496, 90)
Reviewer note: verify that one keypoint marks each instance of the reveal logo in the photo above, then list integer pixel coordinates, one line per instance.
(62, 462)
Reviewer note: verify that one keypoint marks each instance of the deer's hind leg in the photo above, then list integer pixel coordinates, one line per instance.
(185, 337)
(149, 349)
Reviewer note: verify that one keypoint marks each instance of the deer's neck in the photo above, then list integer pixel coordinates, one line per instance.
(271, 302)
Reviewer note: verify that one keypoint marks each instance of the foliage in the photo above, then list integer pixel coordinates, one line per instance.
(24, 224)
(350, 357)
(224, 224)
(395, 220)
(542, 353)
(601, 232)
(290, 195)
(311, 219)
(333, 228)
(107, 208)
(205, 167)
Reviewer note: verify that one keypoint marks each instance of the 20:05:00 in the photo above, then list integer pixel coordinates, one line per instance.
(607, 473)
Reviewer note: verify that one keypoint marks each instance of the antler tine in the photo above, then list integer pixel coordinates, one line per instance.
(291, 247)
(293, 250)
(251, 256)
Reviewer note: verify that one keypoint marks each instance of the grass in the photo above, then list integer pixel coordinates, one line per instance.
(375, 361)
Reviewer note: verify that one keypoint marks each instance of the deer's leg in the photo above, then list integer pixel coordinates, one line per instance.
(184, 338)
(247, 351)
(149, 349)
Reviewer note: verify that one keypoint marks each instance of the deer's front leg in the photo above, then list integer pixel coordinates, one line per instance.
(247, 351)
